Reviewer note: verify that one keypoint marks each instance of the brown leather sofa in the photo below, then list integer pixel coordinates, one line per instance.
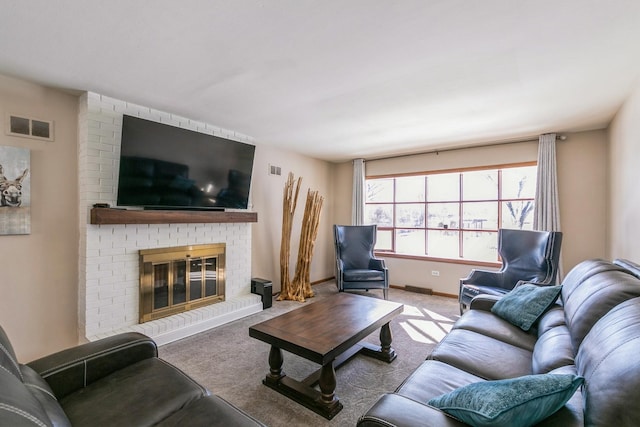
(116, 381)
(593, 332)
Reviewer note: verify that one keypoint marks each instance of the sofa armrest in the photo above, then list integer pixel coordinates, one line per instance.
(395, 410)
(74, 368)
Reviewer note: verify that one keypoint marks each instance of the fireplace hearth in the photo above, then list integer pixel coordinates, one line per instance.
(178, 279)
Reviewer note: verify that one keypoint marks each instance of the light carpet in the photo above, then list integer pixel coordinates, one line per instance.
(232, 365)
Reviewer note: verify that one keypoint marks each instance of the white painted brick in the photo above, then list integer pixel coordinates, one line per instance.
(114, 281)
(98, 274)
(115, 250)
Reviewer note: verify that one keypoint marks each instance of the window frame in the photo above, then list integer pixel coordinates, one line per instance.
(499, 201)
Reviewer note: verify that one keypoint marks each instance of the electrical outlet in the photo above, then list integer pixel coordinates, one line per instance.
(435, 273)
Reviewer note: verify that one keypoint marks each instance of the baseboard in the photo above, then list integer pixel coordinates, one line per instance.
(443, 294)
(408, 288)
(317, 282)
(418, 290)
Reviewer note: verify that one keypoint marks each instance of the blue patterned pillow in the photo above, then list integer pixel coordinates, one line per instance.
(525, 304)
(516, 402)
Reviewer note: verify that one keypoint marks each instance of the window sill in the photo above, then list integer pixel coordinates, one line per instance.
(382, 254)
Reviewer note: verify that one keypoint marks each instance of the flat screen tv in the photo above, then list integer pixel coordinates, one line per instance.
(166, 167)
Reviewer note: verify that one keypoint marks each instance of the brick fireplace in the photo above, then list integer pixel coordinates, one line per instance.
(108, 289)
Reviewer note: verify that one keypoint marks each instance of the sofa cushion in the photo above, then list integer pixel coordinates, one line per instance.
(433, 378)
(362, 275)
(525, 304)
(515, 402)
(392, 410)
(40, 389)
(210, 411)
(482, 356)
(8, 360)
(18, 407)
(553, 350)
(550, 319)
(594, 297)
(141, 394)
(487, 323)
(608, 361)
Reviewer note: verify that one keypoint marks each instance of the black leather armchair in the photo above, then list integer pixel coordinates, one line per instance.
(356, 266)
(115, 381)
(531, 256)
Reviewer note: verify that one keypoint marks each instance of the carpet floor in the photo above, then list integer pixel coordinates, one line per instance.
(232, 365)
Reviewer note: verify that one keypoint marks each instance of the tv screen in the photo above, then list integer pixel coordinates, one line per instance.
(164, 166)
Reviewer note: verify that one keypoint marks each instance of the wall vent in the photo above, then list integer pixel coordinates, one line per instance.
(275, 170)
(29, 128)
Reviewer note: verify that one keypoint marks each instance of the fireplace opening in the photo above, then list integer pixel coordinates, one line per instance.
(177, 279)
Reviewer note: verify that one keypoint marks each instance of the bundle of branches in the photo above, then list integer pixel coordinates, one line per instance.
(289, 202)
(301, 285)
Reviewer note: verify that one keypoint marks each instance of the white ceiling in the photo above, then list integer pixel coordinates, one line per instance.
(340, 79)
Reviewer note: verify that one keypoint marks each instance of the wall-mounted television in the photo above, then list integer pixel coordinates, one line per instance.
(166, 167)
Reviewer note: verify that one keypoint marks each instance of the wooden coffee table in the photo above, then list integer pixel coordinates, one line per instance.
(328, 332)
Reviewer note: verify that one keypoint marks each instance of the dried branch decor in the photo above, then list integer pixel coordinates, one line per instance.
(289, 201)
(300, 288)
(301, 284)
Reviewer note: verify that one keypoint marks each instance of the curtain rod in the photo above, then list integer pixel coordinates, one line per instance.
(444, 150)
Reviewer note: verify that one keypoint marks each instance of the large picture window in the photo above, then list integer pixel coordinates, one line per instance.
(453, 215)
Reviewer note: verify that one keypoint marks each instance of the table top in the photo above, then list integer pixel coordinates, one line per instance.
(322, 330)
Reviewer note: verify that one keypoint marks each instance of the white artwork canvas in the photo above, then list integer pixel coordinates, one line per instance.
(15, 190)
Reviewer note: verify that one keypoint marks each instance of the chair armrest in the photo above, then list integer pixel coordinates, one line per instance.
(540, 282)
(483, 302)
(483, 277)
(74, 368)
(377, 264)
(400, 411)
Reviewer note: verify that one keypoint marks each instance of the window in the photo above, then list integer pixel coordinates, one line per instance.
(450, 215)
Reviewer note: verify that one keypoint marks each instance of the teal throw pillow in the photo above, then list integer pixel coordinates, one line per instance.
(525, 304)
(516, 402)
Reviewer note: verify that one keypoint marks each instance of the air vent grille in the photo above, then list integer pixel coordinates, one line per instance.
(29, 127)
(275, 170)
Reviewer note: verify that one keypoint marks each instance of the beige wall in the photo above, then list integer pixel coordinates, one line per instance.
(342, 185)
(582, 173)
(583, 190)
(624, 203)
(267, 197)
(39, 270)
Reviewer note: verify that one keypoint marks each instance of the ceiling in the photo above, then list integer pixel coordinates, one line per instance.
(341, 79)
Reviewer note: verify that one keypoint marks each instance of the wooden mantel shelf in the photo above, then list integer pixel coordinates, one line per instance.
(122, 216)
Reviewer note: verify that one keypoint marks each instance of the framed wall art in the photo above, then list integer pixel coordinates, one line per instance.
(15, 190)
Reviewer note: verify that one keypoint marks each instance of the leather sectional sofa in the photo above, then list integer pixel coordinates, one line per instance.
(593, 332)
(116, 381)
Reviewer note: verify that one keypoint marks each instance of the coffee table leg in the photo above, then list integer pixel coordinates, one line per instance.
(385, 341)
(385, 352)
(275, 365)
(327, 384)
(323, 402)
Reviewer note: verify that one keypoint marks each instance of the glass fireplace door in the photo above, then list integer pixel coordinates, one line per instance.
(180, 279)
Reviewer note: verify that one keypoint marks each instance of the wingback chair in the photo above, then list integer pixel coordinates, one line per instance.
(356, 266)
(531, 256)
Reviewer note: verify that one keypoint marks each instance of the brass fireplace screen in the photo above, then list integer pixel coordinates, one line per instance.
(177, 279)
